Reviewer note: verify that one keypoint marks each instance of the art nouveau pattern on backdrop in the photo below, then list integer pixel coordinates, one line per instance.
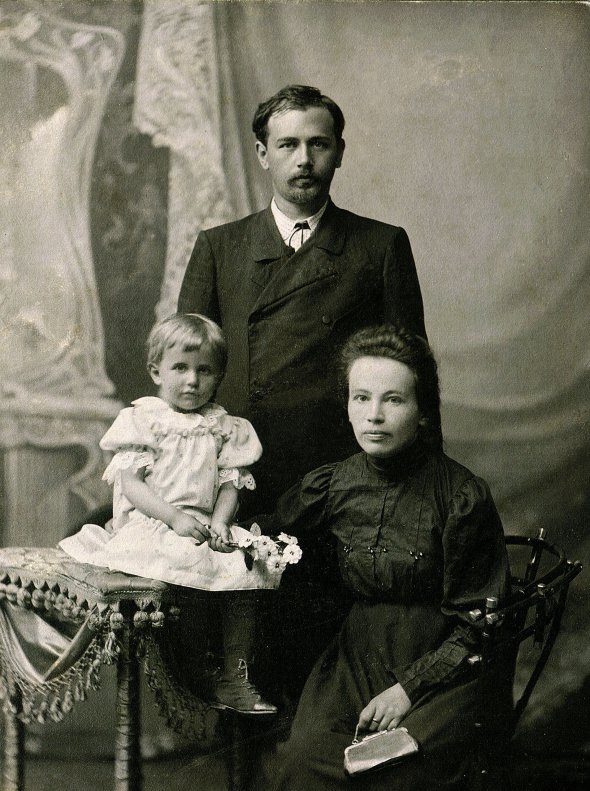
(467, 124)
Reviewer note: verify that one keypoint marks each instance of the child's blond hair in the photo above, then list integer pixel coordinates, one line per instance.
(189, 331)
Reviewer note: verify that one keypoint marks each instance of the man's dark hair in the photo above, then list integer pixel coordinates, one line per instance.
(295, 97)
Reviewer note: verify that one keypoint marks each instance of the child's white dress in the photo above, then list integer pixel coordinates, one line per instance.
(186, 457)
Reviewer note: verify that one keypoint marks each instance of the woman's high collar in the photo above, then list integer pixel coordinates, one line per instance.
(399, 465)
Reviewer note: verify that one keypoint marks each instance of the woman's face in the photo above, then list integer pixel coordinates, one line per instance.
(382, 406)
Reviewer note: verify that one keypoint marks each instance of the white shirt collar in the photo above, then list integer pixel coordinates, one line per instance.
(286, 224)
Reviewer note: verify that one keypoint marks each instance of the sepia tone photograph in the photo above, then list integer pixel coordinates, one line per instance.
(294, 405)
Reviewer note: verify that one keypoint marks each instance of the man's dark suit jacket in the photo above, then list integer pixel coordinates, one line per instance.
(285, 314)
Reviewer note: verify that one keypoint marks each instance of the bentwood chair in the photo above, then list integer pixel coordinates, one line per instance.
(532, 614)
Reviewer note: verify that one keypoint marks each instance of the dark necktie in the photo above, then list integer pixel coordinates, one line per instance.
(299, 227)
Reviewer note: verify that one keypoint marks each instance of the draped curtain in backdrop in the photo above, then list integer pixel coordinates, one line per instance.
(469, 125)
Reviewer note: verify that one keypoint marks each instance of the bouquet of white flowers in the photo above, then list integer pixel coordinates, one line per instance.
(277, 553)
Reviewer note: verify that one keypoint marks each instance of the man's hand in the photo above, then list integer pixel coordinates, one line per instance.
(386, 710)
(189, 527)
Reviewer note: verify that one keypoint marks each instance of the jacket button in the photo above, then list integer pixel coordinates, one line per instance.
(256, 395)
(326, 319)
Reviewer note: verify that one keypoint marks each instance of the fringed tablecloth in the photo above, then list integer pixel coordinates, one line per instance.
(61, 621)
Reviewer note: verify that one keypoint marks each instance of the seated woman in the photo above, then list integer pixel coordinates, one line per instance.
(419, 543)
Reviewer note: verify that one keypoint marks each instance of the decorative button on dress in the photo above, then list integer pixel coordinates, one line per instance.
(186, 457)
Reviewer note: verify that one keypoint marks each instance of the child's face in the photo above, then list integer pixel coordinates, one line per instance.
(382, 405)
(186, 379)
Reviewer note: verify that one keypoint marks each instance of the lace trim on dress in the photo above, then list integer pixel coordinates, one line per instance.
(132, 459)
(163, 430)
(239, 476)
(177, 425)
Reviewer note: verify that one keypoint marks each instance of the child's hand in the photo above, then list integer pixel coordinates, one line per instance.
(189, 527)
(220, 537)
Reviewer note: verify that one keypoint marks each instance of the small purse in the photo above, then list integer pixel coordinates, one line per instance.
(379, 749)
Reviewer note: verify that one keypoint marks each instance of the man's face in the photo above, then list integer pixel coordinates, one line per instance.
(301, 154)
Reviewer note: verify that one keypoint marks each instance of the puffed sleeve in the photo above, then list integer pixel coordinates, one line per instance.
(132, 441)
(475, 567)
(240, 448)
(303, 508)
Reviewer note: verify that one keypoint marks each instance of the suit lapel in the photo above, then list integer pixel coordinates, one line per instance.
(330, 234)
(279, 274)
(267, 246)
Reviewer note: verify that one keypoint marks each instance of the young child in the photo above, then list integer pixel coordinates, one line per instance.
(419, 545)
(179, 462)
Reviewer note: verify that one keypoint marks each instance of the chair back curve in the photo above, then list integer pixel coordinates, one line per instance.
(540, 578)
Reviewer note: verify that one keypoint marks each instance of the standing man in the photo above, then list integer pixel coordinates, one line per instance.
(289, 284)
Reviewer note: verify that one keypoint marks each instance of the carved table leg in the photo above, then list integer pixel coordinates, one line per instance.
(128, 775)
(13, 776)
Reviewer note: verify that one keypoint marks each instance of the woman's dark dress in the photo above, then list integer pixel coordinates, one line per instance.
(419, 544)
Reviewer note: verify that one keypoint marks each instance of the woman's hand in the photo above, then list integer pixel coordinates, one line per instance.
(386, 710)
(220, 537)
(189, 527)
